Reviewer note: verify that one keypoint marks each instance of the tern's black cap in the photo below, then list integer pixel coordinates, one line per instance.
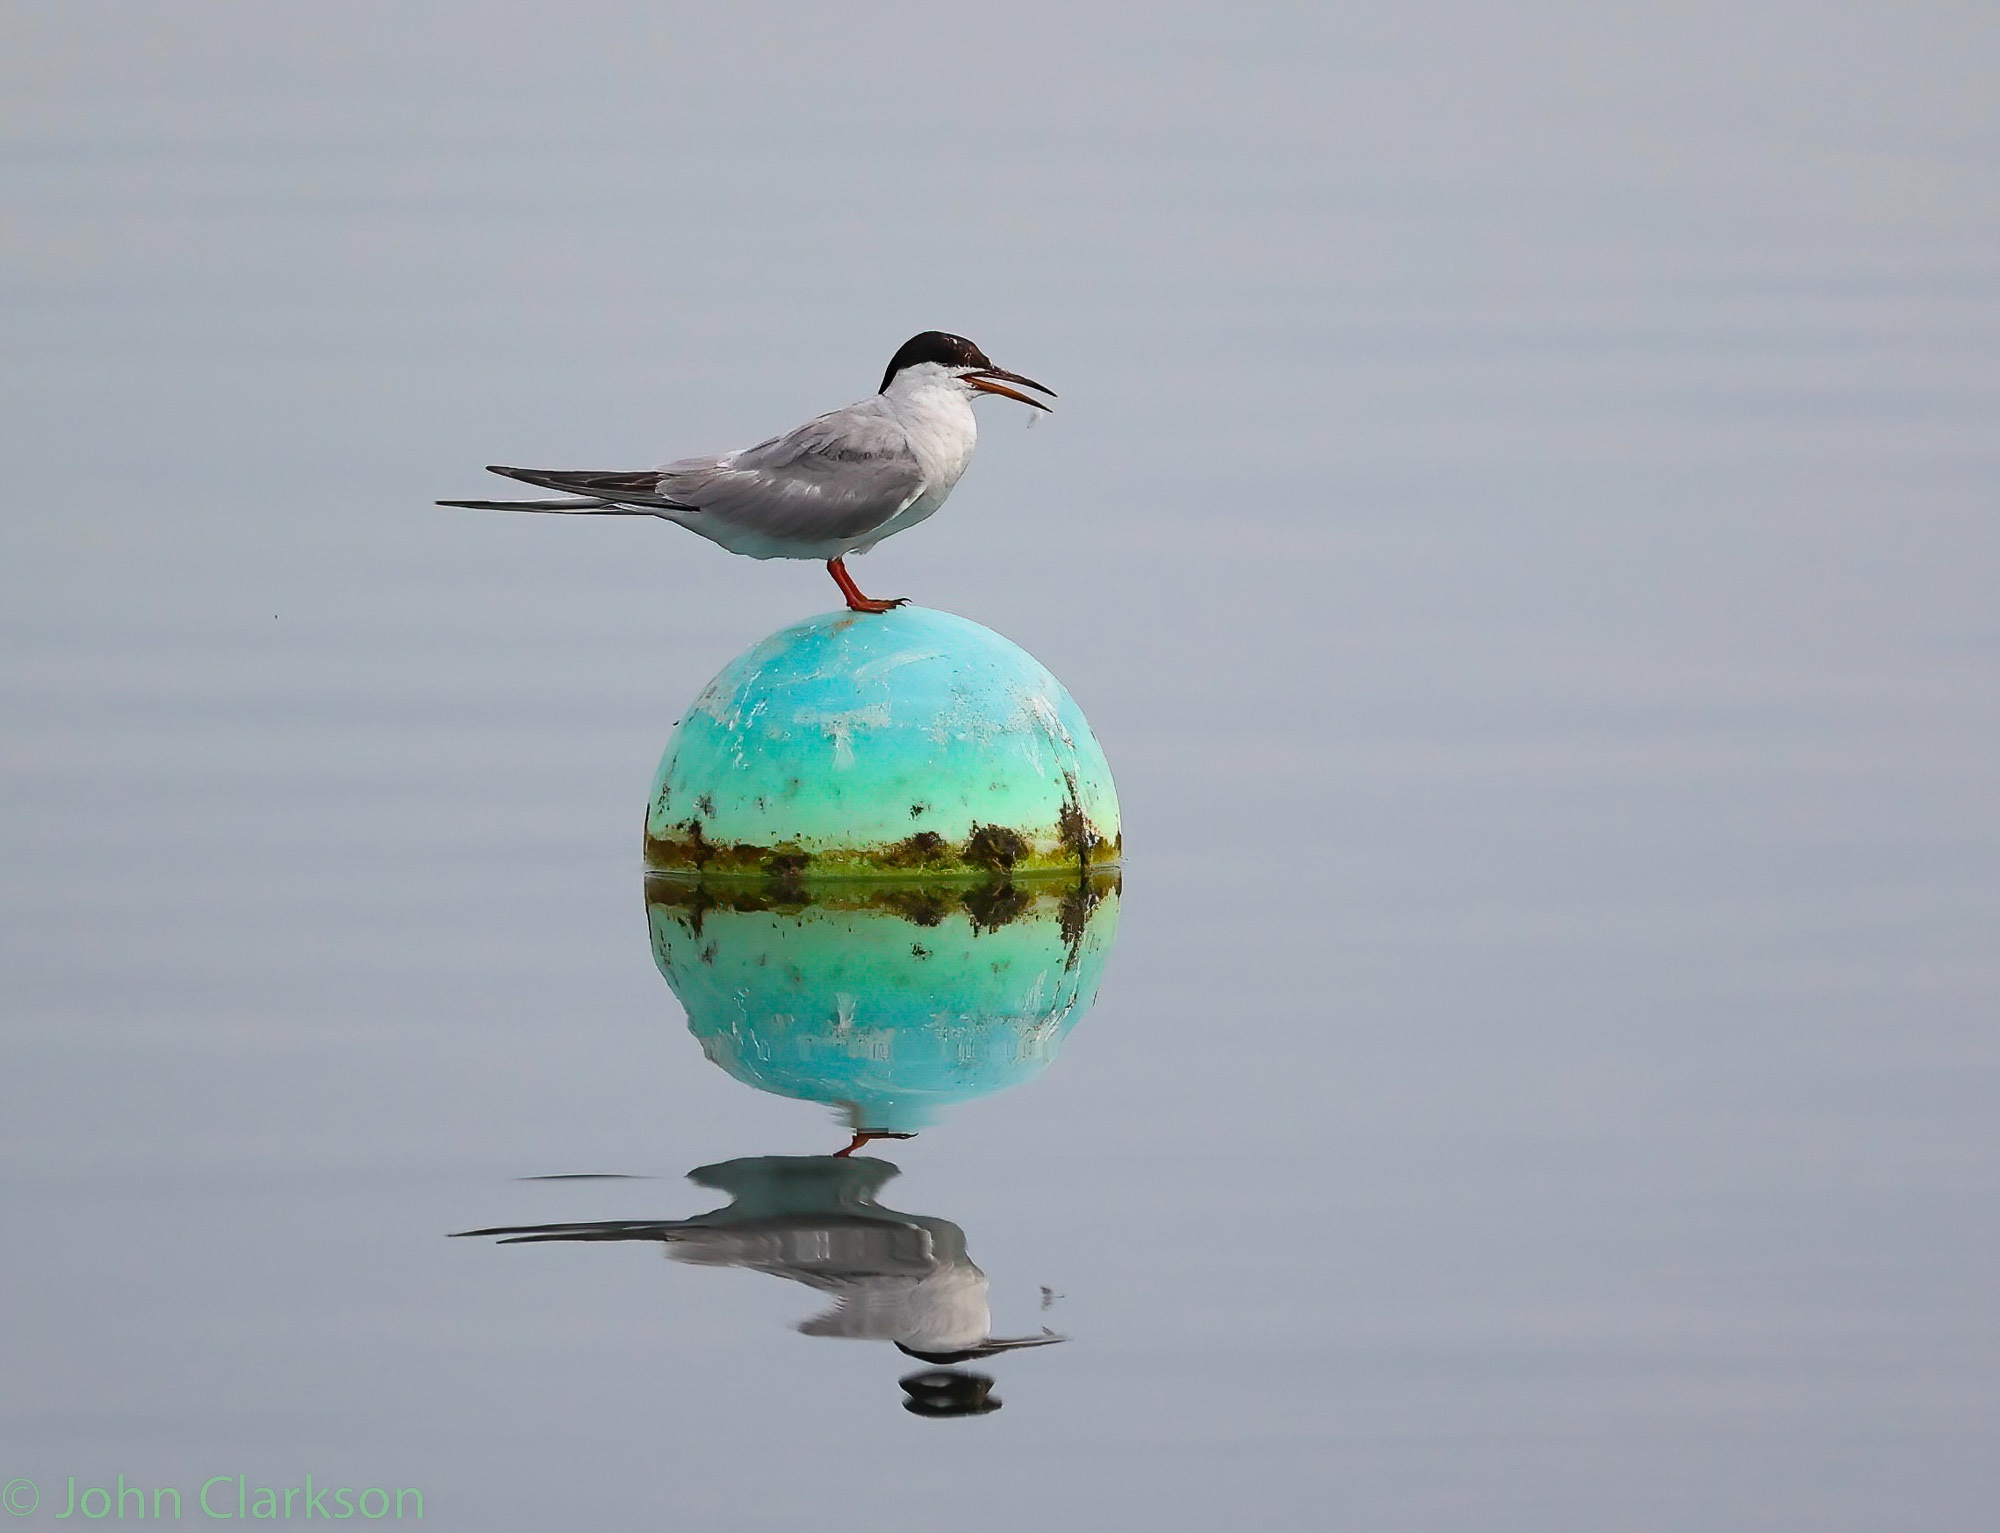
(947, 1392)
(934, 346)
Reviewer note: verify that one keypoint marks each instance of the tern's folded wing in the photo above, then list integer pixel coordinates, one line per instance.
(840, 476)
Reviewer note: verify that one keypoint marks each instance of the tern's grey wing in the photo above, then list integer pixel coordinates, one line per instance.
(823, 1251)
(839, 476)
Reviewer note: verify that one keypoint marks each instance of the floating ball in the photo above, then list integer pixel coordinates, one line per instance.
(909, 743)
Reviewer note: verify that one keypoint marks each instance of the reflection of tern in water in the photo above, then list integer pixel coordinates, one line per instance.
(813, 1219)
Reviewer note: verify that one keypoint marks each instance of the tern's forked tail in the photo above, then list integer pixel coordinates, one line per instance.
(574, 507)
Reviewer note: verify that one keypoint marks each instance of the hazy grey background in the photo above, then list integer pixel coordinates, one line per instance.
(1521, 518)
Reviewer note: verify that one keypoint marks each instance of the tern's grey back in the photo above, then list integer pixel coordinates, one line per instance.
(822, 487)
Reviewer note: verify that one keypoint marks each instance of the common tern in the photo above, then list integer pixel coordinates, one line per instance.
(837, 485)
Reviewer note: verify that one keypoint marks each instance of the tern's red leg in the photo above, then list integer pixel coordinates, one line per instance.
(856, 602)
(862, 1137)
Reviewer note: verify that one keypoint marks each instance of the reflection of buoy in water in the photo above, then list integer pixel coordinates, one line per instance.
(906, 744)
(888, 999)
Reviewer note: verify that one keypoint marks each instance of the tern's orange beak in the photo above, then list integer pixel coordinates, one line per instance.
(989, 380)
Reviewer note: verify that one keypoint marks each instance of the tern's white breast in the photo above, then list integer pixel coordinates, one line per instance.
(936, 417)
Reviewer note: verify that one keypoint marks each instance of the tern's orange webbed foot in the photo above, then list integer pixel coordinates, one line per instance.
(856, 602)
(867, 1137)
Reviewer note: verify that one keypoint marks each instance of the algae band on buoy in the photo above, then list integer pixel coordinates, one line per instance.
(909, 743)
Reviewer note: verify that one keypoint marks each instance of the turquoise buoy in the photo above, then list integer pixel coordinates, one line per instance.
(909, 743)
(890, 999)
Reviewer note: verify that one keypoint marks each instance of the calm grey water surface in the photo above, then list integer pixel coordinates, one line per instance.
(1521, 519)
